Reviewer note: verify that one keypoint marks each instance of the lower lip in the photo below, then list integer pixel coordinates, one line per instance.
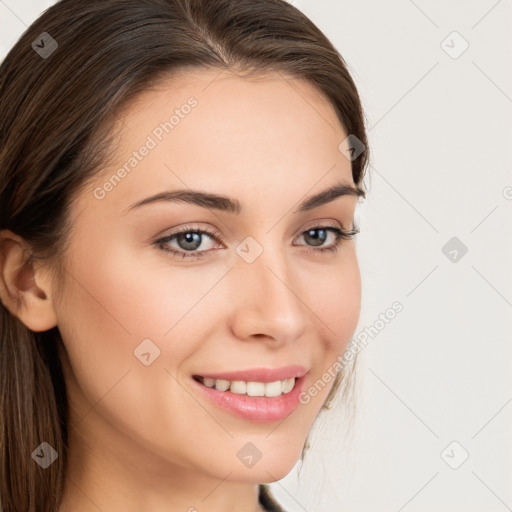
(255, 408)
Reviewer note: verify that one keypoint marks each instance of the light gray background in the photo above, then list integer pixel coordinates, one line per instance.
(440, 131)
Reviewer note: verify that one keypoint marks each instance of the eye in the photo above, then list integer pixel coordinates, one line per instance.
(188, 240)
(316, 236)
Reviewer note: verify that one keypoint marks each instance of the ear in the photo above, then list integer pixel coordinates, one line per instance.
(24, 292)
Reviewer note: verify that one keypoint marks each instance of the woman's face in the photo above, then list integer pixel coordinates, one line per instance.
(252, 292)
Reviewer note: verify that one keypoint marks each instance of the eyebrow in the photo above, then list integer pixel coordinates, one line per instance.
(230, 205)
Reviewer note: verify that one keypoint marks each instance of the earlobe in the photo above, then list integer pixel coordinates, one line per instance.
(22, 293)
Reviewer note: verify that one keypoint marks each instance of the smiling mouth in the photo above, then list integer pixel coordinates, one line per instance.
(249, 388)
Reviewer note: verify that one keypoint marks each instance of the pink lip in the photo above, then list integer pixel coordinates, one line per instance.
(261, 374)
(255, 408)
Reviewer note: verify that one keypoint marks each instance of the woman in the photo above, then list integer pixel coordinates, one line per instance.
(178, 274)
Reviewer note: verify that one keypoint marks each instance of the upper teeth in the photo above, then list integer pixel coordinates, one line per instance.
(241, 387)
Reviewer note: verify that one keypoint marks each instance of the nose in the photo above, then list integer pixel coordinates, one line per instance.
(268, 300)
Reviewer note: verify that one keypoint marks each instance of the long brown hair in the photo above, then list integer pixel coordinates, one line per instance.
(61, 86)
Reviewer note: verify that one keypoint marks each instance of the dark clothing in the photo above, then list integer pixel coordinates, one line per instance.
(267, 501)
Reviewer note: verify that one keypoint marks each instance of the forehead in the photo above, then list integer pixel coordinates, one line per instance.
(227, 108)
(224, 132)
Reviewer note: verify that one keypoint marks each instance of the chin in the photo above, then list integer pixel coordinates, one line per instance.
(263, 475)
(270, 467)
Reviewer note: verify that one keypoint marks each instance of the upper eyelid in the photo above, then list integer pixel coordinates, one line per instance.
(214, 233)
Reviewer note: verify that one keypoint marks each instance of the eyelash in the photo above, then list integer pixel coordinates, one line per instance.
(340, 235)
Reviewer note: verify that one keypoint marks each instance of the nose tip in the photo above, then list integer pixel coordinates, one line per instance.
(267, 305)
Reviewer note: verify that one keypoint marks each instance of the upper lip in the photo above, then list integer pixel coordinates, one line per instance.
(260, 374)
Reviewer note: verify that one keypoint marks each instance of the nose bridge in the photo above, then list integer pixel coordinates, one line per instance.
(268, 301)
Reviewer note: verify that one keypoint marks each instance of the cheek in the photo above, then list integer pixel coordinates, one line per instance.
(345, 304)
(127, 293)
(116, 302)
(339, 304)
(109, 309)
(337, 300)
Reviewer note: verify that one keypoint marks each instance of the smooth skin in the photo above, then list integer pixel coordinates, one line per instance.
(143, 437)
